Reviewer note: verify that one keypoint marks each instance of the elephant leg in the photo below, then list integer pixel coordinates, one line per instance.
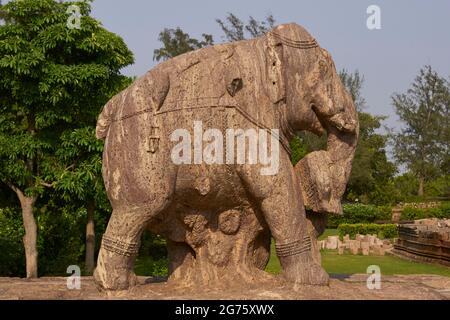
(285, 215)
(120, 245)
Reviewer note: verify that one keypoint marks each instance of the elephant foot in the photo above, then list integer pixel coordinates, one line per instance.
(114, 271)
(303, 270)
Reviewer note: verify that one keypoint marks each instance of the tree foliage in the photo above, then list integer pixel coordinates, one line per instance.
(235, 29)
(423, 143)
(372, 172)
(354, 82)
(53, 81)
(1, 13)
(176, 42)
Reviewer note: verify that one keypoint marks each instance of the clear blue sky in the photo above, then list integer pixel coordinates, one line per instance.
(414, 33)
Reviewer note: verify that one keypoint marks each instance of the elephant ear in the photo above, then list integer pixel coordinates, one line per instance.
(274, 69)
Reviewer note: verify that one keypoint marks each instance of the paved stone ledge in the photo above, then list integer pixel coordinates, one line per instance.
(352, 287)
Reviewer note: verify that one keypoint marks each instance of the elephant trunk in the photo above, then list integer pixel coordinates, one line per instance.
(324, 174)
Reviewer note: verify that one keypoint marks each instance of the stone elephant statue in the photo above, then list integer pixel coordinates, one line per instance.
(166, 165)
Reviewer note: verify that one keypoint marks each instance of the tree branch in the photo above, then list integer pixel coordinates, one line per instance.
(45, 184)
(13, 187)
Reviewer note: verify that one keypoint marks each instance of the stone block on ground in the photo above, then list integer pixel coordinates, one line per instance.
(365, 248)
(332, 242)
(354, 246)
(378, 250)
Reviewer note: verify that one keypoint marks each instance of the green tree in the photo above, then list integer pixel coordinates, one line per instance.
(423, 143)
(235, 29)
(80, 175)
(54, 78)
(176, 42)
(354, 82)
(81, 182)
(1, 13)
(372, 172)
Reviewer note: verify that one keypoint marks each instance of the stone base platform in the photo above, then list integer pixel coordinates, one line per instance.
(430, 287)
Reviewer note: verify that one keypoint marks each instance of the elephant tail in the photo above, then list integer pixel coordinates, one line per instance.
(107, 116)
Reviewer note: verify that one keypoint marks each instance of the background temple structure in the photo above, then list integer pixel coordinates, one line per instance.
(425, 240)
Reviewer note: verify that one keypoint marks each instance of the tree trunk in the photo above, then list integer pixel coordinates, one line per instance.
(30, 237)
(421, 184)
(90, 238)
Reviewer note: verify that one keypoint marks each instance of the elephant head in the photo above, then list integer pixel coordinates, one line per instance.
(316, 101)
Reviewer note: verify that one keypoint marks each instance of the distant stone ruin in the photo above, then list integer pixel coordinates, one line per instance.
(425, 240)
(362, 244)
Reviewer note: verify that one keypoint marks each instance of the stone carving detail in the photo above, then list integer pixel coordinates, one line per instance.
(294, 248)
(229, 221)
(218, 219)
(207, 248)
(120, 247)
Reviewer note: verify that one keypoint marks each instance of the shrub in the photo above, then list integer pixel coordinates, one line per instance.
(384, 213)
(389, 231)
(441, 212)
(147, 266)
(153, 246)
(381, 230)
(360, 213)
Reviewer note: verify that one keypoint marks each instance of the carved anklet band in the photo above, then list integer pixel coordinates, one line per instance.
(294, 248)
(120, 247)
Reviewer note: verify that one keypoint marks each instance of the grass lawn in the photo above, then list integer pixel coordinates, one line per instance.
(349, 264)
(389, 265)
